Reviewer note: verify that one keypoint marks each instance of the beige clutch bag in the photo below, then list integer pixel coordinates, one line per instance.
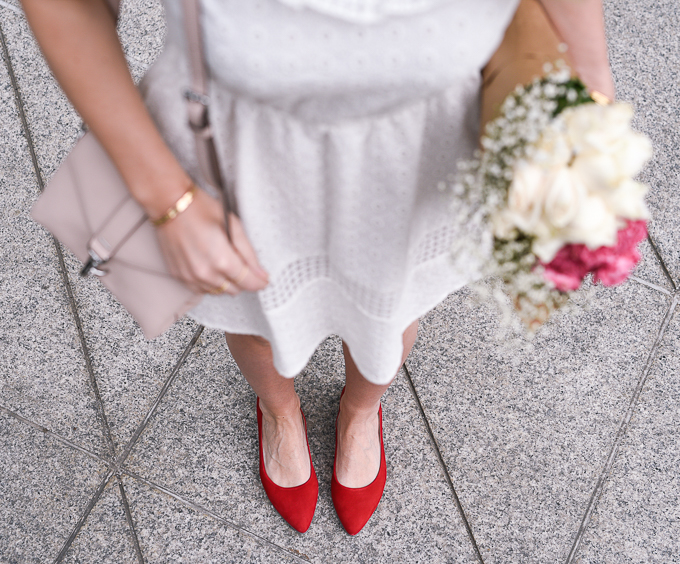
(88, 207)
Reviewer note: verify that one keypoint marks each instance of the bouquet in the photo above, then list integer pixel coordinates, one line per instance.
(553, 184)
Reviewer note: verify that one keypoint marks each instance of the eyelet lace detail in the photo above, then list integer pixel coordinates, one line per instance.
(377, 303)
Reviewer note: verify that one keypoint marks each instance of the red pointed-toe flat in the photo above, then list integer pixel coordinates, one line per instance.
(297, 504)
(355, 506)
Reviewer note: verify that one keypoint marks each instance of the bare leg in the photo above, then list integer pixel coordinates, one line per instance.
(358, 456)
(284, 445)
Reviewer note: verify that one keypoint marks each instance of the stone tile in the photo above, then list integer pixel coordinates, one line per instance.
(53, 122)
(42, 371)
(44, 490)
(169, 531)
(203, 445)
(130, 371)
(645, 57)
(141, 28)
(525, 431)
(105, 537)
(637, 519)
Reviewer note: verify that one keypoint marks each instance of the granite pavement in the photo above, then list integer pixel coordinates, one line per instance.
(117, 449)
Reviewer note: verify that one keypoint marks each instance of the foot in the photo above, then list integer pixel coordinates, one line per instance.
(284, 446)
(358, 446)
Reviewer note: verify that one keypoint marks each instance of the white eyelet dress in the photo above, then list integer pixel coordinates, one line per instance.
(336, 122)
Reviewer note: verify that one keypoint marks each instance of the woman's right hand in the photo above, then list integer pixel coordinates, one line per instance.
(198, 252)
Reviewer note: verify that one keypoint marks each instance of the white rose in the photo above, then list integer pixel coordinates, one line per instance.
(628, 200)
(632, 152)
(591, 127)
(595, 225)
(599, 171)
(564, 197)
(525, 196)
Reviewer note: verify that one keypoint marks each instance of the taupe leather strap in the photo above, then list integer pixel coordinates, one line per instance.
(199, 75)
(198, 107)
(116, 230)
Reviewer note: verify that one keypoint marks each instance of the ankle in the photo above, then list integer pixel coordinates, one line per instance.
(281, 410)
(352, 413)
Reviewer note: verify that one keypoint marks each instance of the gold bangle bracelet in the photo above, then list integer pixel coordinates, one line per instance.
(177, 208)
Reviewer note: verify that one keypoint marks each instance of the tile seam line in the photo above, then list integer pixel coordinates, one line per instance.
(20, 108)
(85, 349)
(130, 520)
(620, 434)
(11, 8)
(60, 256)
(79, 525)
(55, 436)
(651, 285)
(440, 457)
(201, 509)
(164, 390)
(661, 261)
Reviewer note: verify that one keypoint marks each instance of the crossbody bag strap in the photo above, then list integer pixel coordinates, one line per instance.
(198, 107)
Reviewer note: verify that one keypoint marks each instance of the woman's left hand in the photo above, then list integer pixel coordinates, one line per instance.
(580, 24)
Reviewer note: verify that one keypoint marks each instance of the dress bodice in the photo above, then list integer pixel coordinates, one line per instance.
(316, 59)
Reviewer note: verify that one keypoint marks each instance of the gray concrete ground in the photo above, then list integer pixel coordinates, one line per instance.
(114, 449)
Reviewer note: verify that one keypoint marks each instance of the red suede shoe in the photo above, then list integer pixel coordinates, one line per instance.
(355, 506)
(297, 504)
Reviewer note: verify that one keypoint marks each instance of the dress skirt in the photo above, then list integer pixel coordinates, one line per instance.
(338, 122)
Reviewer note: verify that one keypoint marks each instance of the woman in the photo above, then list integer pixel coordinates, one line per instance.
(336, 120)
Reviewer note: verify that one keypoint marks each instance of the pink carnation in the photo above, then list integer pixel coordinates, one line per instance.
(609, 265)
(566, 270)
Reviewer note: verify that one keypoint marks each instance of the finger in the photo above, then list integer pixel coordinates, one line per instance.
(226, 287)
(200, 272)
(227, 264)
(210, 261)
(242, 244)
(242, 277)
(215, 274)
(205, 279)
